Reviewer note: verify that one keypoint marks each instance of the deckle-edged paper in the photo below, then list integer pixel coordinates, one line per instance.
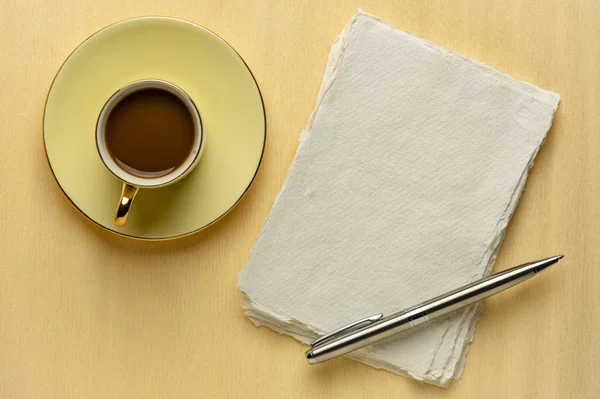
(404, 181)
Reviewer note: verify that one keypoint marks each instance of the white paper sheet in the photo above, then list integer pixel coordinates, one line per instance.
(401, 189)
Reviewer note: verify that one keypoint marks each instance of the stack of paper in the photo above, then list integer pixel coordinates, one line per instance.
(401, 189)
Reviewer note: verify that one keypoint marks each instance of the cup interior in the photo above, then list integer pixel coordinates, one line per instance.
(121, 173)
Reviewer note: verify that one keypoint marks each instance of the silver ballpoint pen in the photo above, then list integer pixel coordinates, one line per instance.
(375, 328)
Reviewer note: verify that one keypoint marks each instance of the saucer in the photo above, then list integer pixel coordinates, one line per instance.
(213, 75)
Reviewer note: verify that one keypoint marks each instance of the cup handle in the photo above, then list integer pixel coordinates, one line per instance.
(127, 195)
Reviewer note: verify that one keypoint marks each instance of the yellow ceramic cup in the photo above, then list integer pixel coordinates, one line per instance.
(132, 183)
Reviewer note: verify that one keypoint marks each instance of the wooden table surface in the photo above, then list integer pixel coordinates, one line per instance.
(85, 314)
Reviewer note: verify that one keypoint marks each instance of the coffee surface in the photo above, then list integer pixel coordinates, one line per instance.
(150, 133)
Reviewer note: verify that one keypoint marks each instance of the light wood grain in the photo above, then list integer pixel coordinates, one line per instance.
(84, 314)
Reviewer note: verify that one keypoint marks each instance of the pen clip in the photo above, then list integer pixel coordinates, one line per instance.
(347, 328)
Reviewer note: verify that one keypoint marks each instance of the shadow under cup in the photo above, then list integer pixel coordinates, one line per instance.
(149, 134)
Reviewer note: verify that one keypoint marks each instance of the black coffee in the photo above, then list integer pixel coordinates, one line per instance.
(150, 133)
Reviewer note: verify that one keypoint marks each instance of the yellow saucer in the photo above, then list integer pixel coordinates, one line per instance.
(215, 77)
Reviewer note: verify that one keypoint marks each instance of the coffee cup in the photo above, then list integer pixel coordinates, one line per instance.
(149, 135)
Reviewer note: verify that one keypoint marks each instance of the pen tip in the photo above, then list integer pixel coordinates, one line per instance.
(544, 263)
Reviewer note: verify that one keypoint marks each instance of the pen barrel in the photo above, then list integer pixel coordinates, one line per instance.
(422, 313)
(475, 292)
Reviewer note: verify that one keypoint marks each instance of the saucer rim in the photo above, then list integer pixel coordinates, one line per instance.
(169, 238)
